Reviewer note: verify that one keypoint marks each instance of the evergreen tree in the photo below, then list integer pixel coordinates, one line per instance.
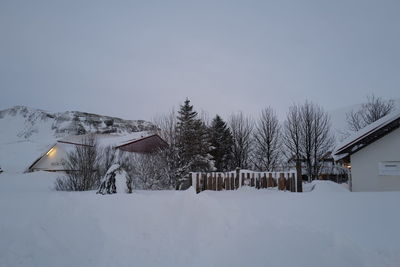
(187, 118)
(221, 144)
(192, 141)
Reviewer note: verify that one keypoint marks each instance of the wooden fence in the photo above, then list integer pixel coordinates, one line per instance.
(218, 181)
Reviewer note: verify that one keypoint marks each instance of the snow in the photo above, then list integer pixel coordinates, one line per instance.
(26, 133)
(338, 118)
(328, 226)
(325, 187)
(104, 140)
(369, 129)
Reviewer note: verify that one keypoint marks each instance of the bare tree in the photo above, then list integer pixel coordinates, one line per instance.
(146, 171)
(81, 167)
(166, 126)
(307, 137)
(167, 129)
(374, 109)
(291, 139)
(267, 141)
(242, 129)
(323, 139)
(307, 115)
(316, 137)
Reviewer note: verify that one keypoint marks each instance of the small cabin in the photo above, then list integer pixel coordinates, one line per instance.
(139, 142)
(373, 154)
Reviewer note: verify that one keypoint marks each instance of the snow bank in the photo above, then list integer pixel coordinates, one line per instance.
(327, 187)
(42, 227)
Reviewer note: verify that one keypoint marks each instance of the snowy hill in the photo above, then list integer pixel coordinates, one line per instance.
(26, 132)
(23, 122)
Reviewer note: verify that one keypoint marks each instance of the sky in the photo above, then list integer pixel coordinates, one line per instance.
(138, 59)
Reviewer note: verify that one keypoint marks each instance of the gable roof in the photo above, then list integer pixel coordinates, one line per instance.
(103, 140)
(367, 135)
(140, 142)
(146, 144)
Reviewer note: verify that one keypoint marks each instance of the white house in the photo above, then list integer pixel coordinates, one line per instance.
(138, 142)
(374, 155)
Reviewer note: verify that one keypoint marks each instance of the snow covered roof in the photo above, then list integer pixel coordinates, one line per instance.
(104, 140)
(367, 135)
(138, 142)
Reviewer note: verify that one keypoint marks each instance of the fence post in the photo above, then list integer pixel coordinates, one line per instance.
(281, 181)
(270, 182)
(209, 182)
(238, 182)
(288, 182)
(265, 181)
(204, 179)
(294, 181)
(197, 183)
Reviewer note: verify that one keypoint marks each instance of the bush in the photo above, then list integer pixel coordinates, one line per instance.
(81, 165)
(146, 171)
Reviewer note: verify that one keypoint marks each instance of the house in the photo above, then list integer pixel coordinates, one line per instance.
(332, 170)
(139, 142)
(329, 169)
(373, 154)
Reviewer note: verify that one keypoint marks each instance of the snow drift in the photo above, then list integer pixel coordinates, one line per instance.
(249, 227)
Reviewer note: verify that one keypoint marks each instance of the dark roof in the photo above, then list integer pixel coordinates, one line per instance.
(146, 144)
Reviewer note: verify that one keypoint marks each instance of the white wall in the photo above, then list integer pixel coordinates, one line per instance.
(365, 164)
(53, 161)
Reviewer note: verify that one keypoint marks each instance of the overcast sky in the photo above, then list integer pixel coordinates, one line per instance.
(135, 59)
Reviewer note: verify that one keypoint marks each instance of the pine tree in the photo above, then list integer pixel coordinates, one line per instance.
(186, 132)
(192, 141)
(221, 144)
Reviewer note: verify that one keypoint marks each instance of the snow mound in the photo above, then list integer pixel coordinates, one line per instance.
(327, 187)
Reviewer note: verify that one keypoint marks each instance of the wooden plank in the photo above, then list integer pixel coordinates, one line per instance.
(281, 182)
(270, 182)
(219, 182)
(197, 183)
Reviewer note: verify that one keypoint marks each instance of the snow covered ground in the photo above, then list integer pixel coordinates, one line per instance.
(328, 226)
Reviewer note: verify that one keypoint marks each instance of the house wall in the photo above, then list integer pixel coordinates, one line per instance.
(53, 161)
(365, 164)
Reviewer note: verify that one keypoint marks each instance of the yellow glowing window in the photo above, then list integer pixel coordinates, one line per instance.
(51, 151)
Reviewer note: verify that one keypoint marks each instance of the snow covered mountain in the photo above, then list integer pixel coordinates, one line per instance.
(26, 132)
(27, 123)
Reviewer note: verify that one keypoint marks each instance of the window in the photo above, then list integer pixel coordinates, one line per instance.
(388, 168)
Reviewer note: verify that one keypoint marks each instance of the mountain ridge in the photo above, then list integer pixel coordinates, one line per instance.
(69, 122)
